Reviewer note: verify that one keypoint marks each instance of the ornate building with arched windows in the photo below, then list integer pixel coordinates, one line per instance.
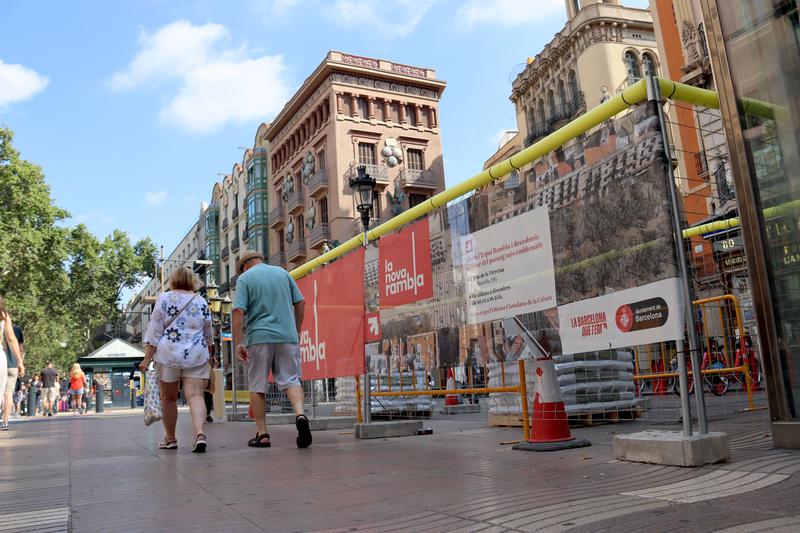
(603, 48)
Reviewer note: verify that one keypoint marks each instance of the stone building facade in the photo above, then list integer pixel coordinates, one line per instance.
(350, 111)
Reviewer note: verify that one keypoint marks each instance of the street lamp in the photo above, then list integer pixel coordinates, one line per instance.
(364, 186)
(225, 305)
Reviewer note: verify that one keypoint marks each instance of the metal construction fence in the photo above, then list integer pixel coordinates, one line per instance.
(565, 252)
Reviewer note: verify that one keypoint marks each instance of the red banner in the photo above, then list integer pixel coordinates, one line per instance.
(332, 334)
(405, 273)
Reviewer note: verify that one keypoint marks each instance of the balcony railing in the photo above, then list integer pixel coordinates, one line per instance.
(379, 172)
(235, 244)
(276, 216)
(233, 281)
(235, 213)
(294, 200)
(277, 258)
(246, 233)
(318, 234)
(577, 105)
(296, 249)
(225, 287)
(418, 178)
(225, 224)
(538, 131)
(226, 252)
(318, 182)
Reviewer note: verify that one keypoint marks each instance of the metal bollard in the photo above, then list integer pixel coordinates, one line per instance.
(98, 400)
(31, 401)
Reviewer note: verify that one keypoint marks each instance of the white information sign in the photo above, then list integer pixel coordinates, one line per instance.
(641, 315)
(509, 268)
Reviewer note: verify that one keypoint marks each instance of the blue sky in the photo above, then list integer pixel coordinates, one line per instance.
(133, 108)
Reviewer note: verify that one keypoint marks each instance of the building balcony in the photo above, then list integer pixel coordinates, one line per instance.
(577, 105)
(246, 233)
(418, 178)
(225, 287)
(225, 224)
(318, 235)
(235, 244)
(379, 172)
(276, 216)
(233, 282)
(538, 131)
(296, 249)
(235, 213)
(295, 200)
(277, 258)
(226, 252)
(359, 228)
(318, 183)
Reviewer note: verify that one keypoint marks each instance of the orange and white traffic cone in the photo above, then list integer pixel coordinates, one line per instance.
(549, 424)
(450, 399)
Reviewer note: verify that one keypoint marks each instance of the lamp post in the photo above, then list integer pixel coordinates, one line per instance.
(364, 186)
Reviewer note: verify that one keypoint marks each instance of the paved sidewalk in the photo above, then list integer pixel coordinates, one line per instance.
(105, 474)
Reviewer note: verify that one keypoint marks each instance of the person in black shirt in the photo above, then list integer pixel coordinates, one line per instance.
(49, 389)
(13, 374)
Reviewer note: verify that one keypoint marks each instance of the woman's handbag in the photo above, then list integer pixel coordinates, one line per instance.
(152, 400)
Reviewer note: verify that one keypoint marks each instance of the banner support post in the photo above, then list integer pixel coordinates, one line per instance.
(654, 100)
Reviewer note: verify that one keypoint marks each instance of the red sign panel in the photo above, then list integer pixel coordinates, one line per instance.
(332, 334)
(405, 273)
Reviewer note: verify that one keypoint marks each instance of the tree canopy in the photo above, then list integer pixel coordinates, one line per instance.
(60, 282)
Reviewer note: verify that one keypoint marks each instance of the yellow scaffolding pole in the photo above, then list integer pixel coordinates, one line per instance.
(633, 95)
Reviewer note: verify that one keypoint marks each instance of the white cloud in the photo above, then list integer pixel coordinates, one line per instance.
(388, 18)
(216, 84)
(92, 217)
(153, 199)
(506, 13)
(19, 83)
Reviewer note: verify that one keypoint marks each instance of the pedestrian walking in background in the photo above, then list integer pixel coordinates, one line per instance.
(49, 389)
(208, 394)
(77, 387)
(37, 389)
(267, 297)
(8, 373)
(179, 340)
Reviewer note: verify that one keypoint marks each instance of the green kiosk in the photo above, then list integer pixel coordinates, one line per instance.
(111, 365)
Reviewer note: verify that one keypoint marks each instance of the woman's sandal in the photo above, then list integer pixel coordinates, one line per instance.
(303, 431)
(258, 441)
(200, 444)
(168, 444)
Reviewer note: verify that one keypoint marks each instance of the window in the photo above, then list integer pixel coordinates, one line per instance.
(632, 66)
(367, 154)
(562, 93)
(649, 64)
(542, 117)
(531, 118)
(281, 241)
(320, 163)
(416, 199)
(551, 101)
(227, 273)
(236, 200)
(301, 227)
(347, 105)
(411, 114)
(323, 210)
(363, 107)
(573, 84)
(394, 110)
(414, 160)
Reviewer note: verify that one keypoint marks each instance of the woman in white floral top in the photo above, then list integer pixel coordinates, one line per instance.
(179, 335)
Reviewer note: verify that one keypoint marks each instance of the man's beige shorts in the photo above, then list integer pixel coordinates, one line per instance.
(50, 394)
(168, 374)
(11, 383)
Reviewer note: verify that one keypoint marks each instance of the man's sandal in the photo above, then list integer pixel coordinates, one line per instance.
(303, 431)
(259, 442)
(168, 444)
(200, 444)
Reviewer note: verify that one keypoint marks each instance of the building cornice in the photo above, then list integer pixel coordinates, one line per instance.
(354, 65)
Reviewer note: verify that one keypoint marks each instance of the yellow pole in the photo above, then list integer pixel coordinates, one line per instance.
(523, 394)
(748, 382)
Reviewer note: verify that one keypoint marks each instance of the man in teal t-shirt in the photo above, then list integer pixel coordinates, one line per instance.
(268, 299)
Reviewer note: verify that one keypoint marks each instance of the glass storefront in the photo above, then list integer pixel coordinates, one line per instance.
(762, 43)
